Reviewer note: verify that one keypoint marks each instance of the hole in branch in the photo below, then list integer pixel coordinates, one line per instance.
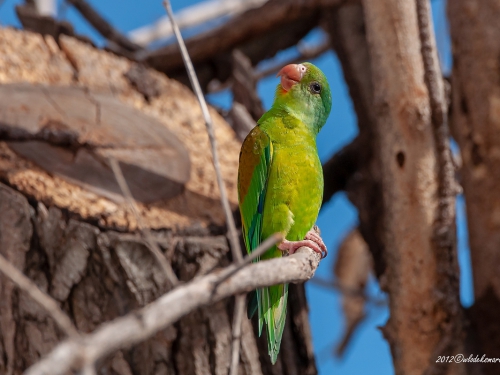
(400, 158)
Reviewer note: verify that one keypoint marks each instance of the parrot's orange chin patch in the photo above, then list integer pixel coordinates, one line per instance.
(291, 74)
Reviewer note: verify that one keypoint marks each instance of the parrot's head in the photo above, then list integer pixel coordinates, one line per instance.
(304, 92)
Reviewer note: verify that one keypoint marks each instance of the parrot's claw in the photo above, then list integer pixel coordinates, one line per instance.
(312, 240)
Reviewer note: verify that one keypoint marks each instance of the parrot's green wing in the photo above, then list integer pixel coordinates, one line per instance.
(255, 163)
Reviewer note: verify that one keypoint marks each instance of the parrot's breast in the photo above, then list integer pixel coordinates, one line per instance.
(295, 191)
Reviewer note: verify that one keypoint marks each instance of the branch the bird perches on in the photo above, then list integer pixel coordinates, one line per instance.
(166, 310)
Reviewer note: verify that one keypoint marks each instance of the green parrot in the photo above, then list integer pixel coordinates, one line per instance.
(280, 182)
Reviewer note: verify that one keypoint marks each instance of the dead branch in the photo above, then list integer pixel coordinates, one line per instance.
(255, 24)
(196, 14)
(142, 324)
(103, 26)
(444, 235)
(444, 231)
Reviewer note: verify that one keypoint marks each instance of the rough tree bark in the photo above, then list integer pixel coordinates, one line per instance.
(475, 32)
(421, 324)
(80, 247)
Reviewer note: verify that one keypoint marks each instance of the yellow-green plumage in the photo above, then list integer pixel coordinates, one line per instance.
(280, 183)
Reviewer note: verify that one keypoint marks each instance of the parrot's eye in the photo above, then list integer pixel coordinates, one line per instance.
(315, 88)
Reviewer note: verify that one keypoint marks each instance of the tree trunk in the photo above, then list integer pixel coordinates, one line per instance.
(79, 246)
(422, 324)
(475, 32)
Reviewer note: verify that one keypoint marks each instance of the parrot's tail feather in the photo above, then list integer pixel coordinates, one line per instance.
(272, 310)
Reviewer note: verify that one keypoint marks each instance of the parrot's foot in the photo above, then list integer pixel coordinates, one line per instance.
(312, 240)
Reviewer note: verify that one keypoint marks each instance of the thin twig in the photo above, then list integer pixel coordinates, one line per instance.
(169, 308)
(239, 311)
(48, 303)
(232, 233)
(150, 241)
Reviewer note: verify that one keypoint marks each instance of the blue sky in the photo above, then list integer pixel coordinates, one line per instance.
(368, 352)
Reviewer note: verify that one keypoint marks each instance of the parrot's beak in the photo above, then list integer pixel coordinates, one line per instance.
(290, 75)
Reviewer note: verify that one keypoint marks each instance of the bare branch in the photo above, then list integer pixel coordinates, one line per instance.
(444, 235)
(103, 26)
(191, 16)
(48, 303)
(250, 25)
(255, 254)
(144, 323)
(152, 244)
(445, 228)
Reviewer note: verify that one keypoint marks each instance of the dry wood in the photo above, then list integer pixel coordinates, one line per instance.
(191, 16)
(444, 236)
(144, 323)
(259, 33)
(475, 124)
(420, 318)
(80, 130)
